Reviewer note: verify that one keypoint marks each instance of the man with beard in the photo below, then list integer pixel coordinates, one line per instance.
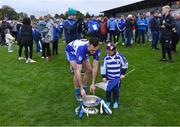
(77, 53)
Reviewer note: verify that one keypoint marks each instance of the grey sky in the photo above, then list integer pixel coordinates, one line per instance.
(43, 7)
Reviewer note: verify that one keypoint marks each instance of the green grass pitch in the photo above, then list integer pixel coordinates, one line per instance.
(42, 93)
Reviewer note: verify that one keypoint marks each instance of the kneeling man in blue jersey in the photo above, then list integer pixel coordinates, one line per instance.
(113, 70)
(78, 52)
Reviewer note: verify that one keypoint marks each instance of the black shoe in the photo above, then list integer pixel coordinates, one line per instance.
(157, 48)
(170, 61)
(174, 51)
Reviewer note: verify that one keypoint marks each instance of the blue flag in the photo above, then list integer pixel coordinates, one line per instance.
(113, 83)
(109, 85)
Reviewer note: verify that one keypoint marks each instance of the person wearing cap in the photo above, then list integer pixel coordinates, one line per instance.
(78, 52)
(167, 23)
(70, 26)
(113, 67)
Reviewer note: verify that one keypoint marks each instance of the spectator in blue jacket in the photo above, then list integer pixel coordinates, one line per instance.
(93, 27)
(121, 28)
(61, 27)
(37, 39)
(112, 25)
(56, 31)
(142, 28)
(70, 26)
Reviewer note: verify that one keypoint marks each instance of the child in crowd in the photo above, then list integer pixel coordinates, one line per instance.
(9, 40)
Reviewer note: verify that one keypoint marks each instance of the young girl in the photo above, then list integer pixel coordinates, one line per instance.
(9, 40)
(113, 68)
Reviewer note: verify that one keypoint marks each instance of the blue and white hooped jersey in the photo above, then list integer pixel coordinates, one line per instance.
(113, 65)
(78, 50)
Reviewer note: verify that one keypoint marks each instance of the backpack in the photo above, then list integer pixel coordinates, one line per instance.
(25, 35)
(93, 26)
(121, 24)
(41, 27)
(103, 26)
(70, 26)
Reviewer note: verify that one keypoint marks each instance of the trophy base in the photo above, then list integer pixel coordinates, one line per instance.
(88, 110)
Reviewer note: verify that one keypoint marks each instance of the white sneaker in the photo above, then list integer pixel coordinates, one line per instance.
(42, 57)
(20, 58)
(31, 61)
(27, 61)
(10, 51)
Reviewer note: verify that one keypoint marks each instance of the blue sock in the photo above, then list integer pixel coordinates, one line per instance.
(85, 87)
(77, 91)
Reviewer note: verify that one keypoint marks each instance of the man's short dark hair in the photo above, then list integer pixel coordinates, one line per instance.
(94, 41)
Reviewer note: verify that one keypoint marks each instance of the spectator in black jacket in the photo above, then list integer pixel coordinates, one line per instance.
(167, 23)
(1, 32)
(18, 26)
(129, 30)
(26, 39)
(176, 32)
(136, 28)
(154, 26)
(5, 25)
